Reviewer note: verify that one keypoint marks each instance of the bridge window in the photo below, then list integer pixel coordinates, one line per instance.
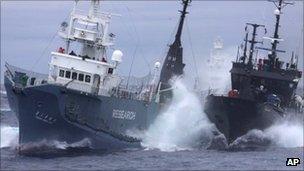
(68, 74)
(74, 75)
(110, 71)
(88, 78)
(80, 77)
(61, 73)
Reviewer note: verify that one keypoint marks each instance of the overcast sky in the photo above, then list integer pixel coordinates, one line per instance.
(28, 27)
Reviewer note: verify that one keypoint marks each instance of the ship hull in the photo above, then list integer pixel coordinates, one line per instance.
(234, 117)
(53, 112)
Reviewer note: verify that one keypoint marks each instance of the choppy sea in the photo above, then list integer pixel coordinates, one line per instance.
(170, 153)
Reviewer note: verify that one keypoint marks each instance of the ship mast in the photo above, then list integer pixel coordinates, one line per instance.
(280, 4)
(181, 23)
(253, 41)
(94, 8)
(173, 64)
(243, 58)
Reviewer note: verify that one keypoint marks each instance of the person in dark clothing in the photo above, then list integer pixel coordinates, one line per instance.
(85, 57)
(72, 53)
(261, 93)
(103, 60)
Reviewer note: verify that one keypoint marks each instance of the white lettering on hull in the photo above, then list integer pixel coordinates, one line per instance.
(45, 117)
(121, 114)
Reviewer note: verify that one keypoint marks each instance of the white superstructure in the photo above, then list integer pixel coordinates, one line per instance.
(216, 59)
(217, 72)
(86, 69)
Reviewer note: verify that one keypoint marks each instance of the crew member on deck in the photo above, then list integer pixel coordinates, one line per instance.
(72, 53)
(61, 50)
(233, 93)
(260, 64)
(261, 93)
(85, 57)
(103, 60)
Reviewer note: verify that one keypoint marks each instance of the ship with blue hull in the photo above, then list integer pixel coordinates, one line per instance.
(83, 96)
(54, 112)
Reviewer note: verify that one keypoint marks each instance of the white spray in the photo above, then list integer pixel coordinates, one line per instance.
(286, 134)
(182, 126)
(9, 139)
(9, 136)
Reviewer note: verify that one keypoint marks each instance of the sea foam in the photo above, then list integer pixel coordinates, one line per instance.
(182, 126)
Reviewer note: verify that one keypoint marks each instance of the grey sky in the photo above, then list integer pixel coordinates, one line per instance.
(27, 27)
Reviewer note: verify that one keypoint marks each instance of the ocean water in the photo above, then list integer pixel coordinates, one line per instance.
(179, 139)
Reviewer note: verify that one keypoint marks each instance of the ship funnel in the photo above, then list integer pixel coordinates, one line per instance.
(117, 56)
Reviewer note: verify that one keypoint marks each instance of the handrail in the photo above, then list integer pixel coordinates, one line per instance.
(8, 69)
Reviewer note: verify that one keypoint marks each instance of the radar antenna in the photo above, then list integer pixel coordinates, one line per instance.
(280, 4)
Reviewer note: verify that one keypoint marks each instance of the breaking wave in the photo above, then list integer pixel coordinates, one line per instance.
(286, 133)
(9, 136)
(54, 148)
(44, 148)
(2, 92)
(182, 126)
(5, 109)
(253, 140)
(54, 144)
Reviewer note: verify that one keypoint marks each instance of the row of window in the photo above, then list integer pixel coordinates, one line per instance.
(74, 76)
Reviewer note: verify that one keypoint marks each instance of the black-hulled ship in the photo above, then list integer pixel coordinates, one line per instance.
(83, 96)
(263, 90)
